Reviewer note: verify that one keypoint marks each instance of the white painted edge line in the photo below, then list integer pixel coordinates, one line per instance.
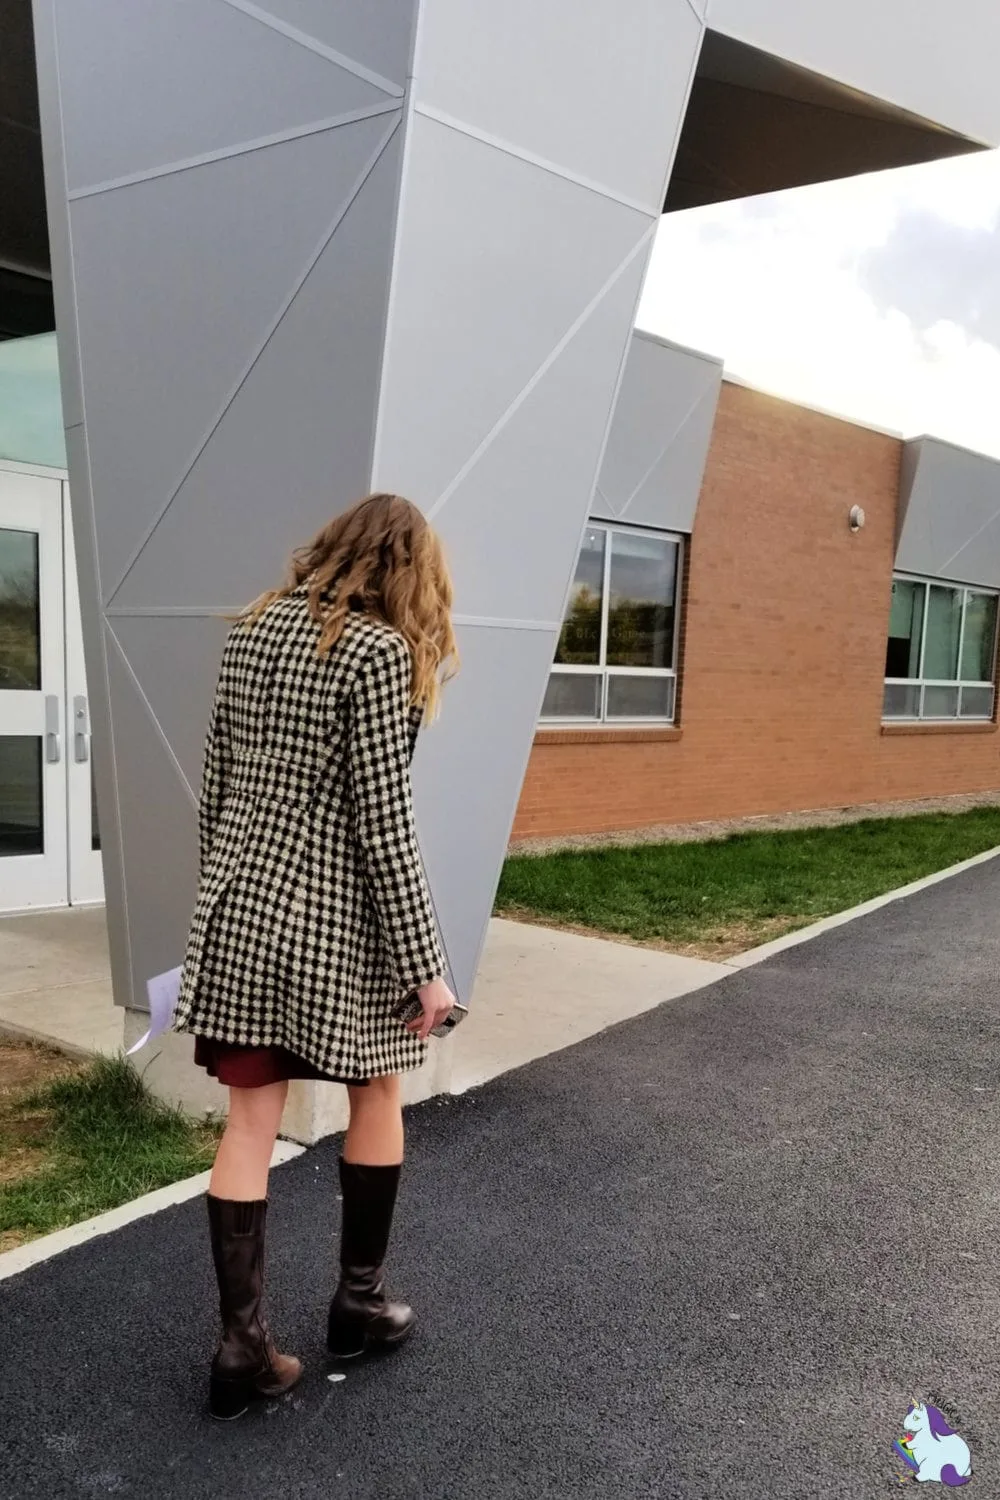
(816, 929)
(13, 1262)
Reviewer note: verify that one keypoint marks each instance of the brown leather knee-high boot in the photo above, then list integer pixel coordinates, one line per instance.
(361, 1313)
(246, 1363)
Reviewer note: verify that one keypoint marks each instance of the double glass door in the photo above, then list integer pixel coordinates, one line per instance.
(49, 842)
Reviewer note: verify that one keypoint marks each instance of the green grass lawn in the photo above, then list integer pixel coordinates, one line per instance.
(723, 896)
(89, 1141)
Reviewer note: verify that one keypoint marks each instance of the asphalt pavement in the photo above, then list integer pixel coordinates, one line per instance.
(709, 1253)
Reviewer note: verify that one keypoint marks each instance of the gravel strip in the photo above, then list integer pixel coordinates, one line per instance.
(696, 833)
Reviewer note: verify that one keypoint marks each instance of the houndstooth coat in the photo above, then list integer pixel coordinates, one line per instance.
(313, 914)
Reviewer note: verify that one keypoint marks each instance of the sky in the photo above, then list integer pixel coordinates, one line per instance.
(877, 298)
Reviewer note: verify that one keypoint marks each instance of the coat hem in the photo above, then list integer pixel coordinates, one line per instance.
(263, 1039)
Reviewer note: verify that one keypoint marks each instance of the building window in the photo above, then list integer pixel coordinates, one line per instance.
(616, 660)
(940, 660)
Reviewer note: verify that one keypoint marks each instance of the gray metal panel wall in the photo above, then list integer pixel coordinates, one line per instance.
(660, 435)
(949, 514)
(222, 256)
(292, 264)
(540, 143)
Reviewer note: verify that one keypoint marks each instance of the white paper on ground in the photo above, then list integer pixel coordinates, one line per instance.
(162, 990)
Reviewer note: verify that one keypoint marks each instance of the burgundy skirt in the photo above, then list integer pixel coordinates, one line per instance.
(252, 1067)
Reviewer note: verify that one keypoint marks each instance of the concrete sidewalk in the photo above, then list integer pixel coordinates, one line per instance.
(708, 1254)
(537, 990)
(55, 980)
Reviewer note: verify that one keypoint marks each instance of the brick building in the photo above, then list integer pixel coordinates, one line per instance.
(789, 658)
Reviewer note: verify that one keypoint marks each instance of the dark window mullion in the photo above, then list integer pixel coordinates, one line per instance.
(923, 647)
(602, 654)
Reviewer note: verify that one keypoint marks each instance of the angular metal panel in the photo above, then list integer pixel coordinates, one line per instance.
(496, 261)
(959, 494)
(915, 523)
(978, 561)
(513, 524)
(547, 79)
(907, 474)
(104, 747)
(467, 776)
(375, 33)
(149, 82)
(506, 261)
(669, 492)
(949, 514)
(159, 835)
(600, 507)
(659, 438)
(201, 264)
(180, 702)
(294, 447)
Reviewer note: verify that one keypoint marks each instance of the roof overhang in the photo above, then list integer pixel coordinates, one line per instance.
(756, 124)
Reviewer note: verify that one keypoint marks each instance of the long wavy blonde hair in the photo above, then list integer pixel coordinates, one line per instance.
(383, 555)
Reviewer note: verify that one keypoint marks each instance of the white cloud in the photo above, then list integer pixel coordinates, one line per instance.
(782, 289)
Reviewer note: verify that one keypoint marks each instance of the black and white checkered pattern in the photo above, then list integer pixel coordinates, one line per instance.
(313, 915)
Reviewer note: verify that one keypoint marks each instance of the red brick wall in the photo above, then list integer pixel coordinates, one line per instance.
(783, 650)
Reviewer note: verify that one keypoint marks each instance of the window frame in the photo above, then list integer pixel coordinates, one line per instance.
(600, 668)
(959, 683)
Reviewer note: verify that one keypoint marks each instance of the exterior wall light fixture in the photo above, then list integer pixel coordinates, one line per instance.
(857, 517)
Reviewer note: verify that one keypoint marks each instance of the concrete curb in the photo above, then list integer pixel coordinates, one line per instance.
(13, 1262)
(816, 929)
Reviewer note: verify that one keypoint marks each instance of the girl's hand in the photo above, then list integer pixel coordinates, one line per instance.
(436, 1000)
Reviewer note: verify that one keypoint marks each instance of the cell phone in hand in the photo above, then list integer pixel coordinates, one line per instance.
(409, 1009)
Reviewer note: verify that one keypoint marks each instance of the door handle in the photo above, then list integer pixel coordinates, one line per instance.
(81, 731)
(53, 745)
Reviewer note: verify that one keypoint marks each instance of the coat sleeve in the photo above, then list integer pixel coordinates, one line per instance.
(214, 778)
(381, 742)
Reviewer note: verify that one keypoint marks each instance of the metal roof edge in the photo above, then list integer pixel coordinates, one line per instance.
(824, 411)
(929, 437)
(657, 338)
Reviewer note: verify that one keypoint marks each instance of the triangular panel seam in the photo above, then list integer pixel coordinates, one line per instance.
(602, 494)
(276, 322)
(969, 540)
(532, 159)
(312, 44)
(685, 419)
(224, 153)
(541, 372)
(157, 726)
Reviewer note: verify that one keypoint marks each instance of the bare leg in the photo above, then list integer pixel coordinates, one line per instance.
(375, 1135)
(244, 1154)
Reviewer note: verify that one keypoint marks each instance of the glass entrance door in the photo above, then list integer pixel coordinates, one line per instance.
(33, 790)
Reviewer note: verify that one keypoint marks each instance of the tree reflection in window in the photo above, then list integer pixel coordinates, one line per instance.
(580, 637)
